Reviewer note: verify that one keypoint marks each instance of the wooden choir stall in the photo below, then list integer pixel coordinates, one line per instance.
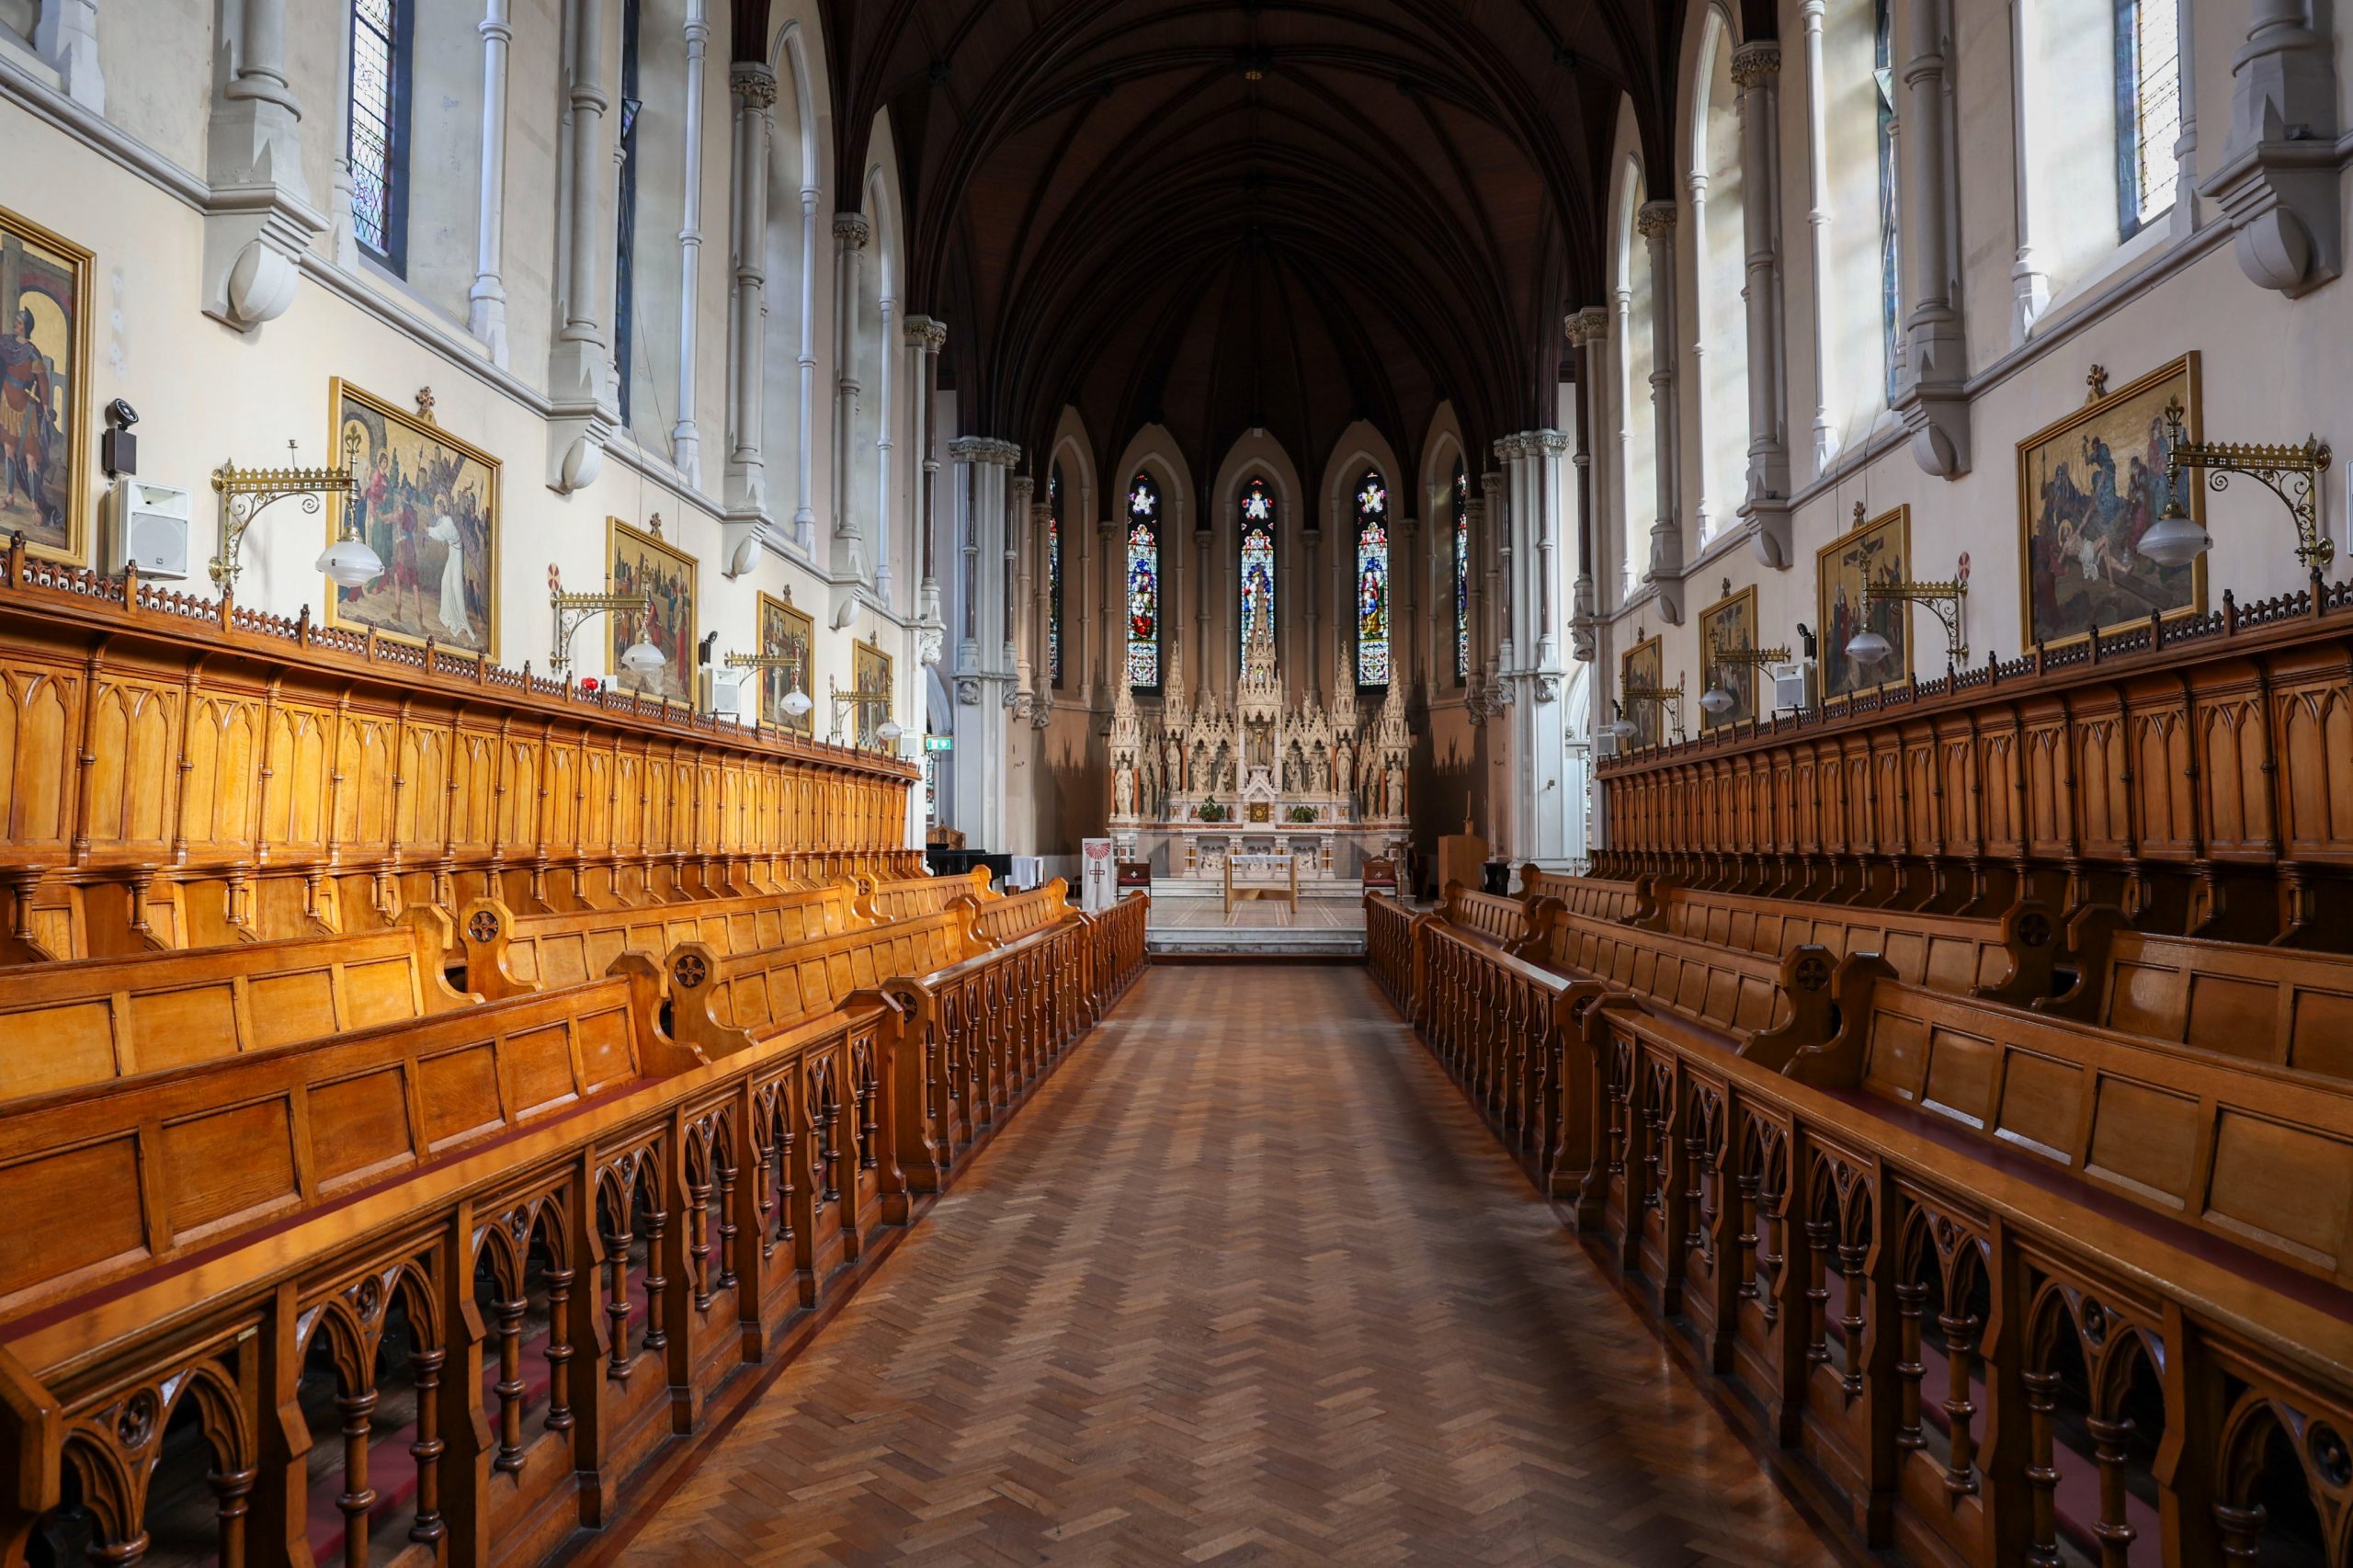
(430, 1095)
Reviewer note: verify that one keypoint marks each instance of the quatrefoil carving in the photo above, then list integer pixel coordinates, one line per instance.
(2034, 930)
(689, 971)
(483, 926)
(1812, 973)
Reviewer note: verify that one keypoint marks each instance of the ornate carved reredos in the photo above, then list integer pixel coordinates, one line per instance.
(1259, 749)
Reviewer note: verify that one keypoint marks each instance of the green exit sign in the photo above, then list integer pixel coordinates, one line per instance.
(940, 742)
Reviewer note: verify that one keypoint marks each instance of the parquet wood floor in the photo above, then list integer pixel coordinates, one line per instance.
(1247, 1284)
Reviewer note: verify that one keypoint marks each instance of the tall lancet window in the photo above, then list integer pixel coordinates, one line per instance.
(1054, 575)
(1883, 97)
(378, 149)
(1462, 573)
(1143, 584)
(1372, 582)
(625, 208)
(2148, 110)
(1257, 561)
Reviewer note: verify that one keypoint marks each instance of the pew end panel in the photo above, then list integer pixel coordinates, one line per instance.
(2029, 938)
(1806, 1007)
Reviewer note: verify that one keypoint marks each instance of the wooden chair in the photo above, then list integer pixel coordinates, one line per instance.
(87, 1022)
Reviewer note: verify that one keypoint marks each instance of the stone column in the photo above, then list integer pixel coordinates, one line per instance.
(1931, 395)
(1589, 335)
(685, 441)
(1310, 542)
(1474, 518)
(1202, 678)
(1553, 455)
(752, 83)
(1518, 640)
(1705, 503)
(986, 689)
(67, 37)
(487, 301)
(1041, 600)
(259, 217)
(1017, 565)
(926, 338)
(1655, 222)
(580, 371)
(965, 451)
(851, 232)
(1757, 73)
(1826, 430)
(2029, 282)
(1112, 536)
(885, 492)
(1498, 555)
(804, 509)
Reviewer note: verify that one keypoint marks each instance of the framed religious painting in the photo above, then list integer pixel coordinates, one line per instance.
(870, 666)
(427, 504)
(1729, 625)
(1643, 667)
(2089, 488)
(45, 432)
(1877, 552)
(786, 633)
(641, 561)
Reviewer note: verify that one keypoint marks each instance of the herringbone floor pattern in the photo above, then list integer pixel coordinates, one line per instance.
(1247, 1284)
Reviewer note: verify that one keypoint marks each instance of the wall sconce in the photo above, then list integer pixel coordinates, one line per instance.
(1669, 696)
(797, 702)
(246, 494)
(887, 732)
(576, 610)
(1944, 600)
(1716, 699)
(2292, 473)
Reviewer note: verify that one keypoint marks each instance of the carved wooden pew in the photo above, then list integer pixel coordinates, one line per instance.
(2260, 1004)
(87, 1022)
(2007, 960)
(1599, 898)
(1003, 920)
(903, 898)
(507, 953)
(1519, 926)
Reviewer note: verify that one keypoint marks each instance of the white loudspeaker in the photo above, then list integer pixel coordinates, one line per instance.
(735, 695)
(1604, 745)
(147, 526)
(1792, 684)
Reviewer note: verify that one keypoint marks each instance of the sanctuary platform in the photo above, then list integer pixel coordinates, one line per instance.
(1191, 920)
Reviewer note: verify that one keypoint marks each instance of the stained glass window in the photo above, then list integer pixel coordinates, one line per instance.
(1143, 584)
(625, 210)
(1372, 582)
(2148, 110)
(1257, 575)
(1055, 574)
(378, 146)
(1884, 92)
(1462, 573)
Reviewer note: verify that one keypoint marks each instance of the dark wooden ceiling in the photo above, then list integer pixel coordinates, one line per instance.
(1222, 214)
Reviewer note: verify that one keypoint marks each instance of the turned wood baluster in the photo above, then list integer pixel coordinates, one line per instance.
(727, 1228)
(428, 1526)
(233, 1501)
(1817, 1290)
(1910, 1297)
(617, 1308)
(2041, 1473)
(697, 1218)
(559, 1350)
(2111, 1440)
(1746, 1185)
(2242, 1531)
(1961, 1410)
(506, 1322)
(356, 1496)
(1850, 1321)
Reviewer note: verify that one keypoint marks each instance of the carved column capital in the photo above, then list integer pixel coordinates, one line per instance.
(923, 333)
(1587, 326)
(754, 80)
(1654, 218)
(852, 229)
(1755, 63)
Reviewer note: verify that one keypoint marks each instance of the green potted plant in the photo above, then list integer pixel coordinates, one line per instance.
(1302, 813)
(1209, 809)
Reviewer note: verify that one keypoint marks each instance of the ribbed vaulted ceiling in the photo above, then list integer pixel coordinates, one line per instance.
(1222, 214)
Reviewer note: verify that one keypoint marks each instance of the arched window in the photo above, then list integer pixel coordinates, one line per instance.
(2148, 110)
(625, 208)
(1372, 582)
(1143, 584)
(1883, 97)
(381, 35)
(1461, 573)
(1257, 575)
(1637, 416)
(1055, 574)
(1719, 207)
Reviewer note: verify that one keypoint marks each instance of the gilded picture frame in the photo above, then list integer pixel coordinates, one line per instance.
(784, 629)
(2080, 568)
(639, 561)
(1879, 551)
(1730, 622)
(45, 436)
(1643, 666)
(869, 668)
(428, 502)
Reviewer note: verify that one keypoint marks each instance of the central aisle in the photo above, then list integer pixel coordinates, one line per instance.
(1246, 1283)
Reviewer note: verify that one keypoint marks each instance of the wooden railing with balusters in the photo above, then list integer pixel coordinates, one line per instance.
(521, 1247)
(179, 774)
(2192, 771)
(1978, 1312)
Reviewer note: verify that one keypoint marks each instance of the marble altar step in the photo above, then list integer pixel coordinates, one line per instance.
(1329, 925)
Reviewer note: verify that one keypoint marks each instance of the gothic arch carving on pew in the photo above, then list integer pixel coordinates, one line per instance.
(114, 1451)
(2318, 1444)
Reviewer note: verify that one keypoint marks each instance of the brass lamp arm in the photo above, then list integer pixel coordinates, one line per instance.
(574, 610)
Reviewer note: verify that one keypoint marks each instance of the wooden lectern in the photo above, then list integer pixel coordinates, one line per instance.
(1459, 857)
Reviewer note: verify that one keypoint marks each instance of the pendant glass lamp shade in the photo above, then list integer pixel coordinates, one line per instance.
(1867, 647)
(1619, 727)
(1716, 699)
(798, 702)
(642, 658)
(348, 562)
(888, 732)
(2176, 537)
